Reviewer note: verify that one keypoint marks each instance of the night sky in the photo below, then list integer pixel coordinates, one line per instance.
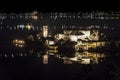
(57, 6)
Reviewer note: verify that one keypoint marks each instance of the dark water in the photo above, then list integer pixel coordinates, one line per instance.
(24, 64)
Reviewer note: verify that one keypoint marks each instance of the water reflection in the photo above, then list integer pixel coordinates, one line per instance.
(53, 56)
(45, 59)
(78, 58)
(84, 58)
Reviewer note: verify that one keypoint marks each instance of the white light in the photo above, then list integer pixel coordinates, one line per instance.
(12, 55)
(73, 38)
(51, 42)
(21, 54)
(5, 55)
(21, 26)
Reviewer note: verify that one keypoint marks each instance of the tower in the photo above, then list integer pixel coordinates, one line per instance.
(45, 31)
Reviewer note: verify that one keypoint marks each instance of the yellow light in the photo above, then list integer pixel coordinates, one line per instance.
(45, 59)
(45, 31)
(16, 40)
(86, 61)
(74, 59)
(34, 17)
(28, 27)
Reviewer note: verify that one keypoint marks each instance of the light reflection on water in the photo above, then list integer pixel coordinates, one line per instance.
(84, 58)
(48, 57)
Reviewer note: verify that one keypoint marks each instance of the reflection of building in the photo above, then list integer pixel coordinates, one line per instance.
(86, 57)
(93, 44)
(45, 59)
(45, 31)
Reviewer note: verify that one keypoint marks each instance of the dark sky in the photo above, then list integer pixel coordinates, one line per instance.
(57, 5)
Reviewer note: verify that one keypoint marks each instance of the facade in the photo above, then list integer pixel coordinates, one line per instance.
(75, 35)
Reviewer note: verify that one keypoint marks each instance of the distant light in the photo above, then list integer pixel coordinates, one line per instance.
(28, 27)
(12, 55)
(21, 26)
(5, 55)
(25, 54)
(21, 54)
(34, 12)
(38, 55)
(35, 17)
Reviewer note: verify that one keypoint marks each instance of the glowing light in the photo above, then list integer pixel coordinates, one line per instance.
(74, 59)
(21, 54)
(51, 42)
(45, 59)
(22, 26)
(53, 47)
(54, 51)
(73, 38)
(12, 55)
(28, 27)
(59, 36)
(34, 17)
(85, 61)
(45, 31)
(5, 55)
(19, 43)
(25, 54)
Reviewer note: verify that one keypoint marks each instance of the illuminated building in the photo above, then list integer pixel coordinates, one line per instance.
(45, 31)
(95, 25)
(59, 36)
(85, 35)
(19, 43)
